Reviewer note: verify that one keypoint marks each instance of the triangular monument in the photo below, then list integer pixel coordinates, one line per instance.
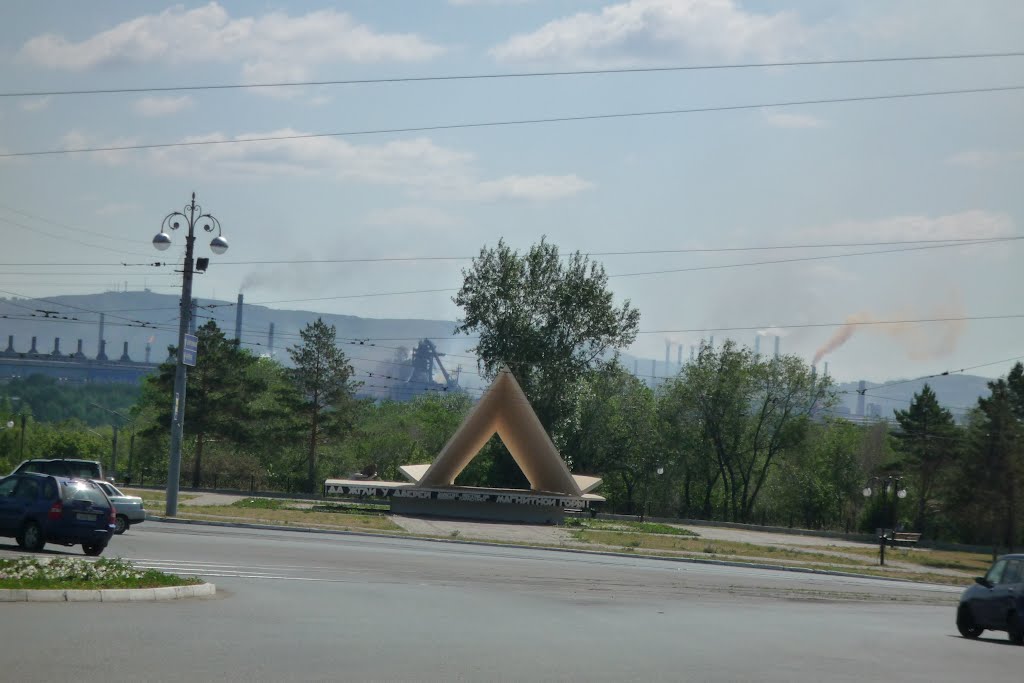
(503, 410)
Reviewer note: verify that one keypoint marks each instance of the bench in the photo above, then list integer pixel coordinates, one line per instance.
(903, 538)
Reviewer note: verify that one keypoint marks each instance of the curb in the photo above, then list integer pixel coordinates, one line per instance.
(578, 551)
(108, 595)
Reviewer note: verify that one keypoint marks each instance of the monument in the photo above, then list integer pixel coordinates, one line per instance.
(431, 490)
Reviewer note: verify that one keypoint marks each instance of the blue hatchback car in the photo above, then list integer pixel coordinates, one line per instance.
(995, 602)
(37, 509)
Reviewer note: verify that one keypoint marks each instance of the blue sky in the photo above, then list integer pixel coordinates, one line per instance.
(930, 168)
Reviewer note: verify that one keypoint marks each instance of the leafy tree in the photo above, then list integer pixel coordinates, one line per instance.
(219, 399)
(752, 411)
(615, 434)
(928, 440)
(323, 377)
(549, 320)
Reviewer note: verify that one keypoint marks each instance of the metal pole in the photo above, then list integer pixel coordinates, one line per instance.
(178, 411)
(113, 456)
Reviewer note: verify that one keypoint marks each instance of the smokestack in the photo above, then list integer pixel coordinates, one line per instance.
(776, 346)
(711, 343)
(679, 356)
(814, 374)
(862, 387)
(102, 355)
(826, 370)
(757, 345)
(693, 351)
(56, 346)
(32, 351)
(270, 340)
(99, 343)
(668, 354)
(238, 320)
(10, 344)
(149, 350)
(78, 353)
(192, 316)
(124, 355)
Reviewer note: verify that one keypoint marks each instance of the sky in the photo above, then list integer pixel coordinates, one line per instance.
(925, 168)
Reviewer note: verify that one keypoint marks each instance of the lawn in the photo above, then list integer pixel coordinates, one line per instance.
(626, 525)
(274, 512)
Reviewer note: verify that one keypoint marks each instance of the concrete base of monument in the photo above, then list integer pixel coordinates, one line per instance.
(491, 512)
(464, 502)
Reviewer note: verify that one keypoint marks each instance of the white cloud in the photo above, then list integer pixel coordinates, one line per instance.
(264, 45)
(973, 224)
(985, 158)
(35, 103)
(424, 169)
(782, 119)
(162, 106)
(644, 31)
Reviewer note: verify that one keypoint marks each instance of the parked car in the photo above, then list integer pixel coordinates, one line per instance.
(995, 602)
(130, 509)
(37, 509)
(62, 467)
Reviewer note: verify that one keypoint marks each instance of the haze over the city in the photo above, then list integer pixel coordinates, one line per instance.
(919, 168)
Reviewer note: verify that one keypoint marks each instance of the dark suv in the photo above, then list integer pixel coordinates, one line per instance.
(62, 467)
(37, 509)
(996, 602)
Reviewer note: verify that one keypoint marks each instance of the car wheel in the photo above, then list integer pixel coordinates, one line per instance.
(94, 549)
(965, 624)
(121, 525)
(1015, 629)
(31, 537)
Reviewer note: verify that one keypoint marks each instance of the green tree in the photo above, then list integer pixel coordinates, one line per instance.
(752, 411)
(615, 434)
(221, 392)
(549, 319)
(928, 440)
(323, 377)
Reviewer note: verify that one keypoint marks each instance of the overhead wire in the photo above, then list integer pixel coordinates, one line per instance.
(511, 75)
(513, 122)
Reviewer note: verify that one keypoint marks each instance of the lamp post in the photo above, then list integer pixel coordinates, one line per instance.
(894, 483)
(192, 214)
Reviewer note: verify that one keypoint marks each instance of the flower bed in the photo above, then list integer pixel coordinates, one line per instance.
(77, 573)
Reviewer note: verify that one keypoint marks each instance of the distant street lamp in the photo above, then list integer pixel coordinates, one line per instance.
(192, 214)
(893, 483)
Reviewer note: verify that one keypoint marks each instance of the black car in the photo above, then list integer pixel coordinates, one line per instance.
(996, 602)
(62, 467)
(37, 509)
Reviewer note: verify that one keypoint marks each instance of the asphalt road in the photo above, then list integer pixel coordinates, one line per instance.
(298, 606)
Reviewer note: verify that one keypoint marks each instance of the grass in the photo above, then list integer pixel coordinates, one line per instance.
(704, 546)
(935, 559)
(312, 518)
(259, 503)
(637, 527)
(75, 573)
(151, 499)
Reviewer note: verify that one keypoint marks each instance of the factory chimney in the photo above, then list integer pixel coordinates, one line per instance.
(668, 355)
(99, 344)
(776, 346)
(270, 340)
(757, 346)
(56, 347)
(32, 351)
(238, 320)
(679, 356)
(149, 349)
(10, 344)
(862, 387)
(124, 356)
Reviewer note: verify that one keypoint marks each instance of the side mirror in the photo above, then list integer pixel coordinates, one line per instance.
(982, 581)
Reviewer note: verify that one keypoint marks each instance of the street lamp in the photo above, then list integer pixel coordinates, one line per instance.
(894, 483)
(192, 214)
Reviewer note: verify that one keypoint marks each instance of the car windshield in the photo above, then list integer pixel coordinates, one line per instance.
(83, 491)
(109, 489)
(75, 469)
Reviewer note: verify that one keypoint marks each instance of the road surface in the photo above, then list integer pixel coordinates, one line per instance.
(295, 606)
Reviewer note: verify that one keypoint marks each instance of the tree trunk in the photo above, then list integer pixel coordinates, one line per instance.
(311, 464)
(198, 464)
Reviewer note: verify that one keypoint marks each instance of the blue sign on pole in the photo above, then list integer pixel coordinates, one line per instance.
(191, 350)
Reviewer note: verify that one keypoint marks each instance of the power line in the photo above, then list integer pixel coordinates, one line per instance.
(509, 75)
(516, 122)
(638, 252)
(651, 272)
